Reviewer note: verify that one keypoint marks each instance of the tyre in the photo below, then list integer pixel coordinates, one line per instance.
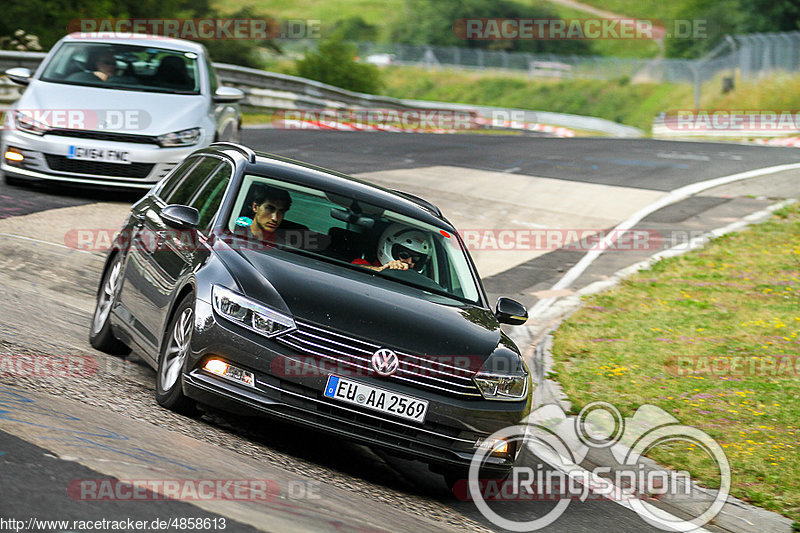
(100, 335)
(171, 360)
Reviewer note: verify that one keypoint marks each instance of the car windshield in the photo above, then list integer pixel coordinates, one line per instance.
(362, 236)
(125, 67)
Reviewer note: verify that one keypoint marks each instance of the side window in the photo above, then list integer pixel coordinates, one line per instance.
(175, 177)
(192, 181)
(208, 199)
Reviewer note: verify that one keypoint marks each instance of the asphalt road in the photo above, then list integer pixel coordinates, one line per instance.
(47, 297)
(638, 163)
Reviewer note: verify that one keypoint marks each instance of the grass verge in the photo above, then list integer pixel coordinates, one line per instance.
(713, 338)
(634, 104)
(620, 101)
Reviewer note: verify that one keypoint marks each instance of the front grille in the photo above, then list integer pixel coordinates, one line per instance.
(376, 424)
(306, 405)
(105, 136)
(60, 163)
(348, 352)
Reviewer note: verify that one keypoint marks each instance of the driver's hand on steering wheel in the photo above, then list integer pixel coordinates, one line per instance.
(395, 264)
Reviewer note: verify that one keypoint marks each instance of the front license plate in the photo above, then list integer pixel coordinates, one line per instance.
(376, 399)
(106, 155)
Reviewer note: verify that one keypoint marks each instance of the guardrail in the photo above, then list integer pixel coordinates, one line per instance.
(271, 90)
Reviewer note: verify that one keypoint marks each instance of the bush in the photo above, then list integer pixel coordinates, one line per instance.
(334, 63)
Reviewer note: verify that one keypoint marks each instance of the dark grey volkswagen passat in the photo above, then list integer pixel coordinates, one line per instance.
(259, 284)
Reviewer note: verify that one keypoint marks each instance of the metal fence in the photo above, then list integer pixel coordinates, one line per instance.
(758, 54)
(752, 56)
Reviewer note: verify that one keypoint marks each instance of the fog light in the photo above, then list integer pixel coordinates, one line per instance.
(13, 155)
(497, 446)
(216, 366)
(223, 369)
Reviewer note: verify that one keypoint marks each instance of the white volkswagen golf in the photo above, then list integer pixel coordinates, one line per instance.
(115, 112)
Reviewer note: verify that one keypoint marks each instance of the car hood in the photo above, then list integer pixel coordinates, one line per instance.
(142, 113)
(363, 304)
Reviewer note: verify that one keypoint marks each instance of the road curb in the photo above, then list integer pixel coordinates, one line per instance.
(736, 516)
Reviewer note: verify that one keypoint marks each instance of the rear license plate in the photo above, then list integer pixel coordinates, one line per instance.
(106, 155)
(381, 400)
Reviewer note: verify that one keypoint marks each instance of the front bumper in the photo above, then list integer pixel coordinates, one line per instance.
(46, 159)
(448, 437)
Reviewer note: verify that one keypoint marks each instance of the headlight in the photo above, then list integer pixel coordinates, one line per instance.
(502, 387)
(28, 124)
(249, 314)
(180, 138)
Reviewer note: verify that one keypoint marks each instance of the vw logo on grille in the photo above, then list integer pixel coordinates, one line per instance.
(385, 362)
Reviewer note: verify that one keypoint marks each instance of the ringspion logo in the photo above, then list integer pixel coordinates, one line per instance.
(563, 442)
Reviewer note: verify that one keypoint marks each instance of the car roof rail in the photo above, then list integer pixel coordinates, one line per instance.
(421, 202)
(251, 155)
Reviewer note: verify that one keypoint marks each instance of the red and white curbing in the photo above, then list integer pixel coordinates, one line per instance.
(784, 141)
(556, 131)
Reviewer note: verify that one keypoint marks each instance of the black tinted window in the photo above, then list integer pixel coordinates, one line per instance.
(191, 183)
(210, 196)
(176, 176)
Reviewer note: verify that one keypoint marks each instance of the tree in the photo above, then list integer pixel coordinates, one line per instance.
(431, 22)
(334, 63)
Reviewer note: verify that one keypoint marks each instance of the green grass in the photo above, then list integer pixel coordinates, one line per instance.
(327, 12)
(656, 338)
(632, 104)
(646, 9)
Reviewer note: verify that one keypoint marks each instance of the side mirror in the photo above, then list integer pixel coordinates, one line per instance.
(19, 75)
(510, 312)
(180, 216)
(228, 94)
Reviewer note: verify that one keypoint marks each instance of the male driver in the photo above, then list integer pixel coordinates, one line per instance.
(269, 206)
(104, 65)
(101, 64)
(400, 248)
